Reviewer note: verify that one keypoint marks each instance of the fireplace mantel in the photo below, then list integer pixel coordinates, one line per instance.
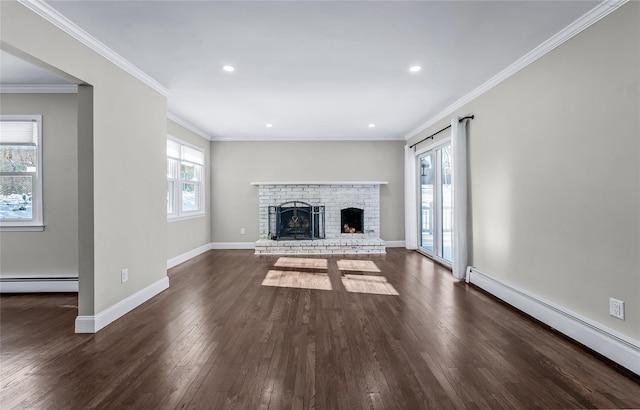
(321, 183)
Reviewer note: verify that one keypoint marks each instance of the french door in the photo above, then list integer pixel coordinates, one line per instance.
(436, 203)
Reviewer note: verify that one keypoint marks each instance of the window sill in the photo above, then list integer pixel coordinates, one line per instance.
(185, 217)
(22, 228)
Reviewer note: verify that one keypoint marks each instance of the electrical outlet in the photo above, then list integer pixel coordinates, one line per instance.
(616, 308)
(243, 231)
(124, 275)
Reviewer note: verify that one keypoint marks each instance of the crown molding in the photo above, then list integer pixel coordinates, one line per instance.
(54, 17)
(38, 89)
(178, 120)
(306, 138)
(591, 17)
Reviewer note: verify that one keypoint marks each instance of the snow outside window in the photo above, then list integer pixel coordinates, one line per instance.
(21, 173)
(185, 180)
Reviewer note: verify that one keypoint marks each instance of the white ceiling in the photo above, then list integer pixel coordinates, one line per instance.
(319, 69)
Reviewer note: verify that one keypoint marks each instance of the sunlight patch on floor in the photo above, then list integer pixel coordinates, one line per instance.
(301, 263)
(368, 284)
(358, 265)
(300, 280)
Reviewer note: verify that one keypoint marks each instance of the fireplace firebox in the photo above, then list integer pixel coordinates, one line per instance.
(296, 220)
(352, 220)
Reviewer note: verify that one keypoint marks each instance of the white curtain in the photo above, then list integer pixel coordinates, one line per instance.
(410, 199)
(459, 175)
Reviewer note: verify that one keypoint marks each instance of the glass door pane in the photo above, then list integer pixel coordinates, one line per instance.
(427, 201)
(436, 203)
(446, 213)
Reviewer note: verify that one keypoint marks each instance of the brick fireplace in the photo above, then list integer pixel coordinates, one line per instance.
(359, 202)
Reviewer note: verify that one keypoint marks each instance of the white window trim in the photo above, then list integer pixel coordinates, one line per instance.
(434, 145)
(185, 217)
(36, 224)
(178, 215)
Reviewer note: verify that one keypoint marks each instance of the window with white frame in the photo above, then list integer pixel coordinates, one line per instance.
(185, 179)
(21, 172)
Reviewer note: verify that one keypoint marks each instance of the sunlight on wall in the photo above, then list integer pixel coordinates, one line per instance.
(494, 204)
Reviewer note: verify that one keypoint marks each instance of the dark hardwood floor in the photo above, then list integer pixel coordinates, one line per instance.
(219, 339)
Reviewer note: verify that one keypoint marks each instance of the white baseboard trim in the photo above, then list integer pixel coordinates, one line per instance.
(92, 324)
(394, 244)
(177, 260)
(621, 349)
(233, 245)
(42, 284)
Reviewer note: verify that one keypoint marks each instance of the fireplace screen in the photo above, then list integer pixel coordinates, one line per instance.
(296, 220)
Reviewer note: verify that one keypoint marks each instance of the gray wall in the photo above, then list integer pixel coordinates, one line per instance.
(54, 252)
(129, 161)
(188, 234)
(235, 165)
(555, 176)
(554, 171)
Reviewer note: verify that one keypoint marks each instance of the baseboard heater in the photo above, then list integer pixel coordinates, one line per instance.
(33, 284)
(619, 348)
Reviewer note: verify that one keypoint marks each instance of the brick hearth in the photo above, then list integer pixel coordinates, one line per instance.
(344, 246)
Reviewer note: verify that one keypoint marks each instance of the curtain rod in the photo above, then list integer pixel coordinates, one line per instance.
(468, 117)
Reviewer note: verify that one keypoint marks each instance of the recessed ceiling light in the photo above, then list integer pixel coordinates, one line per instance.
(268, 125)
(415, 68)
(228, 68)
(372, 125)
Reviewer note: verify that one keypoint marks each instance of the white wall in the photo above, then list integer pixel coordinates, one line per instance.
(54, 252)
(184, 236)
(129, 161)
(235, 165)
(555, 175)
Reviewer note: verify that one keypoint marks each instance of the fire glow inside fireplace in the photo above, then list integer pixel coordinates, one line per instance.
(296, 220)
(352, 220)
